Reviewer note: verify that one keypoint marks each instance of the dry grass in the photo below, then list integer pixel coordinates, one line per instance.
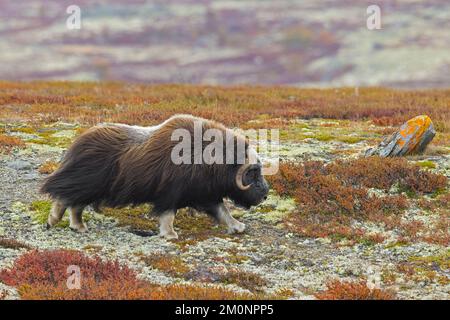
(91, 103)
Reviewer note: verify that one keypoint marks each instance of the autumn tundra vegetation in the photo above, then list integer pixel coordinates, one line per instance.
(327, 200)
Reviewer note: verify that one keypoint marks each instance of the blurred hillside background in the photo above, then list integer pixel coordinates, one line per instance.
(306, 43)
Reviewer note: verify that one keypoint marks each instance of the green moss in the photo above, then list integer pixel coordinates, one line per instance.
(198, 226)
(234, 257)
(426, 164)
(442, 260)
(323, 136)
(337, 237)
(409, 193)
(367, 242)
(297, 131)
(396, 244)
(349, 139)
(27, 130)
(40, 209)
(137, 218)
(193, 227)
(50, 137)
(289, 135)
(273, 210)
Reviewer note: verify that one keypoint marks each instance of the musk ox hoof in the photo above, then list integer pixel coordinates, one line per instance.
(169, 235)
(82, 228)
(236, 227)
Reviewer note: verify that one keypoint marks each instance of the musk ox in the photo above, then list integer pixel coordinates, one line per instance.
(117, 165)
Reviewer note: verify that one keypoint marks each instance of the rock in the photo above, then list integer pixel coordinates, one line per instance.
(19, 165)
(412, 138)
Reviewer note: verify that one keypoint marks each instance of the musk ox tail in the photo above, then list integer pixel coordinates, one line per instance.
(88, 168)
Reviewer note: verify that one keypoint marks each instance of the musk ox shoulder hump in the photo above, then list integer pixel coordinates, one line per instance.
(141, 134)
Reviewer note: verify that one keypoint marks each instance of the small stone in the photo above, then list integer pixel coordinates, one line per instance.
(412, 138)
(19, 165)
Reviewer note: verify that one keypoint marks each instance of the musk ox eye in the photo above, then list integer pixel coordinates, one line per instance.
(251, 174)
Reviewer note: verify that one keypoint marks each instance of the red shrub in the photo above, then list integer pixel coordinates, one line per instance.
(329, 195)
(91, 289)
(322, 189)
(50, 267)
(383, 173)
(40, 275)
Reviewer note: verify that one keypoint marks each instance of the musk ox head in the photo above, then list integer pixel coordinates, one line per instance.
(251, 187)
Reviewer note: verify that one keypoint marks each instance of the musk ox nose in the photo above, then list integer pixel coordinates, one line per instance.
(265, 197)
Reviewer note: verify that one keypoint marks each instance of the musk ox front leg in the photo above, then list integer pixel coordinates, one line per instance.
(166, 219)
(223, 216)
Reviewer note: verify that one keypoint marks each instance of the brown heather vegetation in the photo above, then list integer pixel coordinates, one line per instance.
(48, 167)
(243, 279)
(383, 173)
(41, 275)
(175, 267)
(347, 290)
(193, 227)
(90, 103)
(331, 196)
(426, 268)
(321, 189)
(13, 244)
(8, 143)
(169, 264)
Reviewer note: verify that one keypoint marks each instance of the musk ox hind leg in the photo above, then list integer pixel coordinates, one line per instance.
(166, 219)
(56, 213)
(222, 214)
(76, 219)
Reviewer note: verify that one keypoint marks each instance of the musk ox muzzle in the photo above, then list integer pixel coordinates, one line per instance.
(116, 165)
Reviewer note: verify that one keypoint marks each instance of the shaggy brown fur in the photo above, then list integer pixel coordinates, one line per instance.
(118, 165)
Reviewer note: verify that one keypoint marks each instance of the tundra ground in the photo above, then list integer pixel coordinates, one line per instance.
(391, 235)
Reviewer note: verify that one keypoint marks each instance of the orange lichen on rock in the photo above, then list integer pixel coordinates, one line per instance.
(413, 137)
(416, 129)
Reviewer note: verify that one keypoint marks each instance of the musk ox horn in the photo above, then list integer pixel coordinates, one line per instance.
(240, 175)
